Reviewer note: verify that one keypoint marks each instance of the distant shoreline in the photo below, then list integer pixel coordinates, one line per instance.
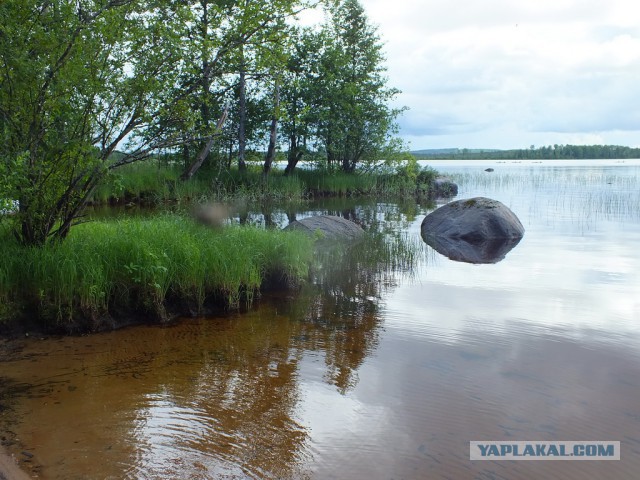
(551, 152)
(498, 163)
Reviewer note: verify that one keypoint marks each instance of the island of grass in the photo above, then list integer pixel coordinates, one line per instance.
(110, 273)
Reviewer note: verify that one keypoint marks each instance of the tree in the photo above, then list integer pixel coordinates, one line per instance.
(79, 80)
(241, 41)
(87, 86)
(355, 123)
(300, 93)
(273, 130)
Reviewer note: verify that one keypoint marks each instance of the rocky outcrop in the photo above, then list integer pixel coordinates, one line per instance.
(477, 230)
(332, 227)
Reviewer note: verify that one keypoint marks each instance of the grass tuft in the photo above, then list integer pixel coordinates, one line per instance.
(143, 266)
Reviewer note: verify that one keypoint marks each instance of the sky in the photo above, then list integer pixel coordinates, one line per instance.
(513, 73)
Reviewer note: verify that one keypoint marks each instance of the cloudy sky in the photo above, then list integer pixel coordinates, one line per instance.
(513, 73)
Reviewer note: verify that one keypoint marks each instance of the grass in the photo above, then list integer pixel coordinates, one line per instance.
(147, 182)
(375, 263)
(144, 267)
(157, 183)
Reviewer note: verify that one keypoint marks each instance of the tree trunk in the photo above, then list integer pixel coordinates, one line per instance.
(189, 172)
(273, 135)
(186, 156)
(242, 105)
(295, 155)
(205, 80)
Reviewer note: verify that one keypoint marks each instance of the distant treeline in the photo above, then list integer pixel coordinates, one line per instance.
(550, 152)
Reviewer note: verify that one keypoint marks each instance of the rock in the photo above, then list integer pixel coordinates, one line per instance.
(443, 187)
(477, 230)
(331, 226)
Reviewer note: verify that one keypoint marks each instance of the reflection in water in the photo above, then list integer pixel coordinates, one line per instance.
(487, 250)
(208, 398)
(197, 400)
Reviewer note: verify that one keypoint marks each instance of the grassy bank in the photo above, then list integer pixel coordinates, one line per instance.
(143, 267)
(157, 183)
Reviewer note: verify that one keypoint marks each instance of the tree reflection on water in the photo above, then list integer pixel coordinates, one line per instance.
(205, 398)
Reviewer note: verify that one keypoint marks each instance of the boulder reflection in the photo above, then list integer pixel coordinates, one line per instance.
(491, 250)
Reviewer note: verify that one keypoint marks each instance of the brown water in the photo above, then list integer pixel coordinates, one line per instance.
(371, 371)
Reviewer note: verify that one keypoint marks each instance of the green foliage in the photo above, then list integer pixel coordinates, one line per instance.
(356, 121)
(336, 93)
(90, 86)
(141, 266)
(78, 79)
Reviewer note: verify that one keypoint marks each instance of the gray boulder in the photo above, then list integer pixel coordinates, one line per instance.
(332, 227)
(477, 230)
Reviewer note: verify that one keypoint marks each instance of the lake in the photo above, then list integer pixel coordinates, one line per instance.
(381, 367)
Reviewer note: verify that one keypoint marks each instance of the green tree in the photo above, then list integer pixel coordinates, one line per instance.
(240, 48)
(300, 93)
(87, 86)
(355, 122)
(80, 79)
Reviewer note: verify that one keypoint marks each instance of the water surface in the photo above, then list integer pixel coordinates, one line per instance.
(375, 369)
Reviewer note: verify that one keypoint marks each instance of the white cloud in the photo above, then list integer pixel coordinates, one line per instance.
(503, 74)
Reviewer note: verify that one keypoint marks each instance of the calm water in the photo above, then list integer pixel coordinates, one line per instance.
(375, 370)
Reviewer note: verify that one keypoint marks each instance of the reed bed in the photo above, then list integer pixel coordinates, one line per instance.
(144, 267)
(579, 194)
(373, 265)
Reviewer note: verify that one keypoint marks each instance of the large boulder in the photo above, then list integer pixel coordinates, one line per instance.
(477, 230)
(332, 227)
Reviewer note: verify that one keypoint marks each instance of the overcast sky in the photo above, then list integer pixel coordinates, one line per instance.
(513, 73)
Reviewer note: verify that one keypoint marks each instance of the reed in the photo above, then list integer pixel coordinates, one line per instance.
(566, 192)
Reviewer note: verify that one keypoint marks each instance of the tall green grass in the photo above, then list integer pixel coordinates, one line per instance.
(143, 267)
(158, 183)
